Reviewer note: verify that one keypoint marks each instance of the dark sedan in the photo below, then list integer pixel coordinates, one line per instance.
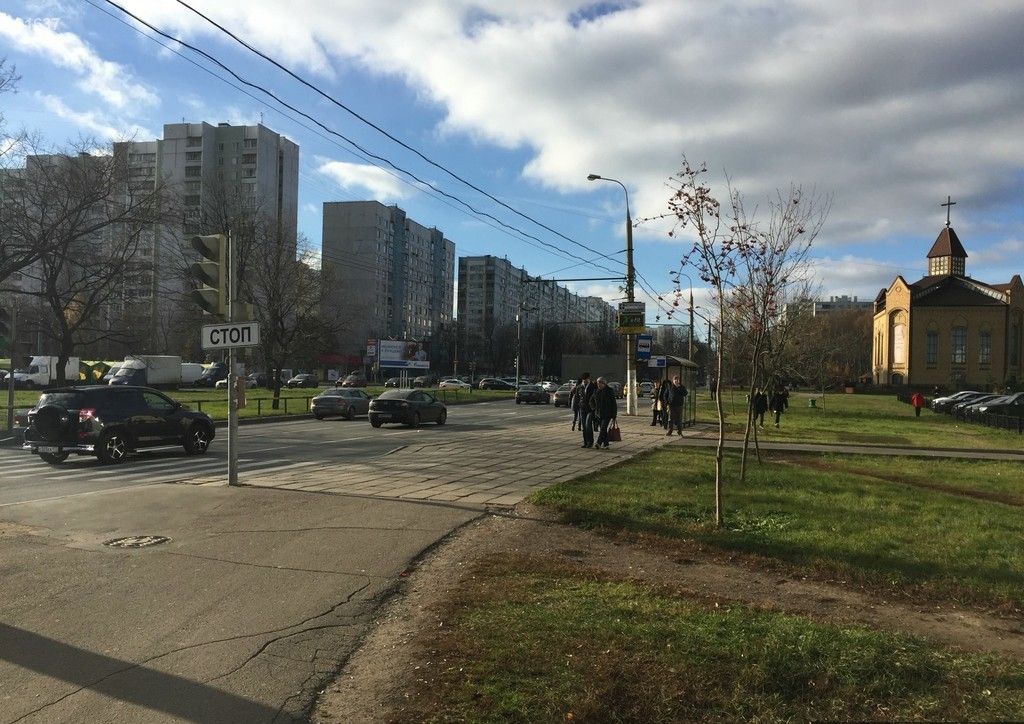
(353, 380)
(1010, 405)
(532, 393)
(393, 382)
(340, 401)
(407, 407)
(303, 381)
(561, 396)
(493, 383)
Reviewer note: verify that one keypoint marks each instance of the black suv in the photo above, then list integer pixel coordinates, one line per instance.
(111, 422)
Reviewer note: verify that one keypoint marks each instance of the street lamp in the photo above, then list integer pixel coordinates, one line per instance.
(630, 337)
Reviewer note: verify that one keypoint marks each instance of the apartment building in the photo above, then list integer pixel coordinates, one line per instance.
(492, 290)
(393, 277)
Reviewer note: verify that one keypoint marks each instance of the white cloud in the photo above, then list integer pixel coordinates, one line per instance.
(110, 81)
(381, 185)
(889, 105)
(93, 121)
(311, 208)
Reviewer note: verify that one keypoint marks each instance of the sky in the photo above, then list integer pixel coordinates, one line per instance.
(885, 108)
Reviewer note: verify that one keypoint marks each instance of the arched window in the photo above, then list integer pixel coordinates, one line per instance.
(985, 346)
(959, 345)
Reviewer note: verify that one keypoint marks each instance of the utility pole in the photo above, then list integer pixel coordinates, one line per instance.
(543, 330)
(519, 340)
(691, 325)
(232, 392)
(10, 373)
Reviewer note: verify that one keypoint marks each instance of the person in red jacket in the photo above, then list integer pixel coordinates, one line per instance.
(917, 400)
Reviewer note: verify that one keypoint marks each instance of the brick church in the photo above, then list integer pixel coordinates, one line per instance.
(947, 329)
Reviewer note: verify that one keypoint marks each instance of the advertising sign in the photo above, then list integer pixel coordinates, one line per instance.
(643, 346)
(404, 354)
(632, 317)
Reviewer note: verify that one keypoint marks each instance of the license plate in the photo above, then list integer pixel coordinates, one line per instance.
(385, 417)
(48, 449)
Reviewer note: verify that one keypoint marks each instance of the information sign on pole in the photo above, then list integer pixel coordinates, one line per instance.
(643, 347)
(632, 317)
(659, 361)
(231, 336)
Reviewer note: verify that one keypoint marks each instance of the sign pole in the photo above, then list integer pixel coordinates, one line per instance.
(10, 377)
(232, 392)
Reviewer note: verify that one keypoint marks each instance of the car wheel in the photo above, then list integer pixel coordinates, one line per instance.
(415, 420)
(53, 458)
(350, 414)
(442, 418)
(375, 423)
(112, 448)
(197, 440)
(319, 417)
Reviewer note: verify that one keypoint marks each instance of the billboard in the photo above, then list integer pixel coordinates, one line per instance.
(404, 353)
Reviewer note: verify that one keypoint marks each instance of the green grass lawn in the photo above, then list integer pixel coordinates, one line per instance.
(525, 641)
(859, 419)
(878, 521)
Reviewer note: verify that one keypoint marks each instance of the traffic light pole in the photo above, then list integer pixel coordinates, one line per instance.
(232, 392)
(10, 374)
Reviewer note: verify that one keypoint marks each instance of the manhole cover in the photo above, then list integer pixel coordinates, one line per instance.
(136, 541)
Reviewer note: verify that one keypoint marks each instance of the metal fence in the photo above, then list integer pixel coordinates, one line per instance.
(1013, 423)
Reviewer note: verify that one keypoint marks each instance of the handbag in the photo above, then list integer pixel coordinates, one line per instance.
(614, 434)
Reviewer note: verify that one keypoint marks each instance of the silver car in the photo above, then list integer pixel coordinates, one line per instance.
(344, 402)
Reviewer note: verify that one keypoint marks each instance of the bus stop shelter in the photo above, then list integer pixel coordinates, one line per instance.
(687, 372)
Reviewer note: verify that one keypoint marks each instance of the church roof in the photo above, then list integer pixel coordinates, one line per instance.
(947, 244)
(953, 291)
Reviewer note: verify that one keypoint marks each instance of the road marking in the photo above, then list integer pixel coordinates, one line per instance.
(78, 495)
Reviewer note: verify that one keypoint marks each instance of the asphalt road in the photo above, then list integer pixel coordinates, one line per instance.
(270, 447)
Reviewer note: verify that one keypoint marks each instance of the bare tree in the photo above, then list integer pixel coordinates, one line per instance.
(83, 217)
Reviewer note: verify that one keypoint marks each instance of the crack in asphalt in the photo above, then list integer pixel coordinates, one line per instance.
(273, 568)
(201, 644)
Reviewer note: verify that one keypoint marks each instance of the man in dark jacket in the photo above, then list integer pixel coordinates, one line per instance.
(665, 395)
(587, 390)
(760, 405)
(676, 399)
(605, 408)
(777, 404)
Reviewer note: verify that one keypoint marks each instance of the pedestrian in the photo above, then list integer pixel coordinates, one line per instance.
(574, 401)
(655, 407)
(664, 396)
(676, 399)
(760, 404)
(712, 387)
(587, 389)
(917, 400)
(605, 408)
(777, 404)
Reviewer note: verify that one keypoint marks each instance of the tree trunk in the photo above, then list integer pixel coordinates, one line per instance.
(719, 450)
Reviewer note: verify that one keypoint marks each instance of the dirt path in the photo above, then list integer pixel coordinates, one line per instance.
(374, 683)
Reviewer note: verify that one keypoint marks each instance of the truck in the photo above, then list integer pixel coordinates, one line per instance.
(149, 370)
(42, 371)
(190, 372)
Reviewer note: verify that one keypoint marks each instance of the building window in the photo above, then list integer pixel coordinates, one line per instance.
(959, 345)
(194, 141)
(193, 155)
(1014, 344)
(985, 348)
(250, 143)
(193, 171)
(932, 348)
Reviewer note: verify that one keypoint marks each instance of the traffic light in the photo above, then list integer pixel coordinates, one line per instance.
(5, 329)
(212, 274)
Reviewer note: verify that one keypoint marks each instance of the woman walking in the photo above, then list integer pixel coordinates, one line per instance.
(664, 397)
(605, 408)
(574, 402)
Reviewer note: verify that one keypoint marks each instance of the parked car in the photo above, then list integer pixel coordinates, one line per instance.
(110, 373)
(548, 386)
(493, 383)
(618, 389)
(561, 395)
(344, 401)
(407, 407)
(942, 404)
(454, 384)
(959, 407)
(303, 380)
(532, 394)
(424, 381)
(1012, 405)
(355, 379)
(250, 381)
(393, 382)
(111, 422)
(971, 410)
(213, 374)
(646, 388)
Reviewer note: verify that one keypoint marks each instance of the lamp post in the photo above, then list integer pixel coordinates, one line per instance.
(630, 274)
(690, 353)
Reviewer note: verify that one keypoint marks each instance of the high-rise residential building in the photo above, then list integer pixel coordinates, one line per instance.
(392, 278)
(492, 291)
(210, 167)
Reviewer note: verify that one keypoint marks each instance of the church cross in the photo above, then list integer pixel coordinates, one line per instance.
(949, 202)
